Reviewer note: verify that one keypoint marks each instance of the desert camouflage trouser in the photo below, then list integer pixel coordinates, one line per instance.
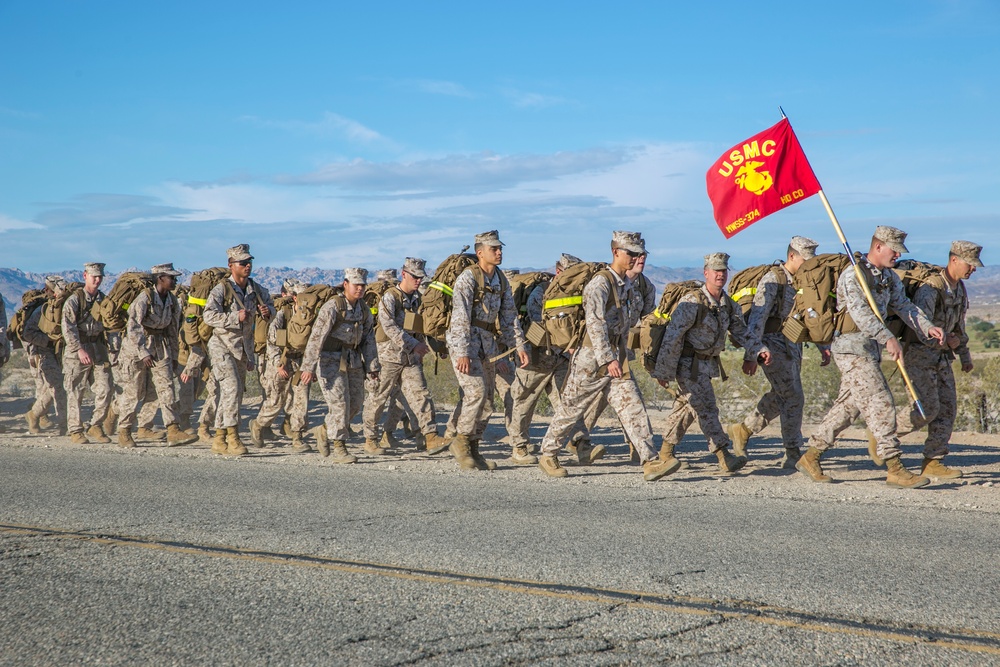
(49, 389)
(135, 380)
(344, 392)
(934, 380)
(504, 382)
(230, 373)
(586, 383)
(696, 400)
(395, 412)
(394, 380)
(76, 377)
(785, 399)
(546, 377)
(865, 392)
(475, 398)
(282, 395)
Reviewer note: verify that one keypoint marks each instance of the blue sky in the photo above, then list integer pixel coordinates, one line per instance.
(342, 134)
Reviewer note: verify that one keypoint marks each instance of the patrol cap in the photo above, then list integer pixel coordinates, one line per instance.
(293, 286)
(415, 266)
(806, 247)
(892, 237)
(386, 274)
(490, 238)
(631, 241)
(356, 276)
(94, 268)
(717, 261)
(165, 269)
(52, 281)
(967, 251)
(59, 284)
(567, 260)
(239, 253)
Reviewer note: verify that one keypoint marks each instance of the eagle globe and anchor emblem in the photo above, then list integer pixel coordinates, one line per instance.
(757, 182)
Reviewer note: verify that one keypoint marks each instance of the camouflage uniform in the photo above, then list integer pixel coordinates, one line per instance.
(773, 301)
(45, 367)
(200, 377)
(340, 352)
(606, 305)
(471, 334)
(545, 374)
(81, 331)
(863, 388)
(288, 394)
(151, 333)
(402, 370)
(930, 365)
(689, 353)
(231, 347)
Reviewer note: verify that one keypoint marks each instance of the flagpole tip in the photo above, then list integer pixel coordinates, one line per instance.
(782, 111)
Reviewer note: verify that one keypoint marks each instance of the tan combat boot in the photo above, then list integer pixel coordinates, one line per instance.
(667, 454)
(656, 468)
(460, 449)
(300, 447)
(340, 453)
(204, 433)
(792, 456)
(809, 465)
(150, 434)
(219, 441)
(520, 456)
(899, 477)
(78, 438)
(125, 438)
(286, 428)
(728, 462)
(96, 433)
(741, 436)
(256, 436)
(935, 468)
(436, 443)
(873, 449)
(388, 441)
(322, 444)
(481, 462)
(371, 447)
(234, 446)
(176, 437)
(586, 454)
(550, 466)
(110, 421)
(45, 423)
(633, 453)
(33, 426)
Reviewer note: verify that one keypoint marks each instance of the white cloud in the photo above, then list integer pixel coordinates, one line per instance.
(7, 223)
(331, 125)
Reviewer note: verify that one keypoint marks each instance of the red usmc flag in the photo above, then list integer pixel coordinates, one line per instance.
(764, 174)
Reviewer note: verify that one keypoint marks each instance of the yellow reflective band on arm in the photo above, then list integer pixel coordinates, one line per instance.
(441, 287)
(746, 291)
(566, 301)
(196, 301)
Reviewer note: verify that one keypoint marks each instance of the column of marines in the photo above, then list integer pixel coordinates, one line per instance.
(369, 361)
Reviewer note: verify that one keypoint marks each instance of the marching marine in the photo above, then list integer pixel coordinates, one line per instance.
(772, 301)
(689, 353)
(45, 366)
(340, 354)
(231, 311)
(856, 350)
(944, 300)
(599, 368)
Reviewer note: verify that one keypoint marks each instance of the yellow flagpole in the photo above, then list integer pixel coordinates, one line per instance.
(869, 297)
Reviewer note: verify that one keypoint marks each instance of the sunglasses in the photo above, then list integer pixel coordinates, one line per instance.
(631, 253)
(245, 262)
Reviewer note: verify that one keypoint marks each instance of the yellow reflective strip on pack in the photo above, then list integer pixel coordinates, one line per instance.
(196, 301)
(441, 287)
(566, 301)
(746, 291)
(374, 310)
(125, 306)
(662, 316)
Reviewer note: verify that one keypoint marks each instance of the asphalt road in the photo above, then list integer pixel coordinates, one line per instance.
(173, 556)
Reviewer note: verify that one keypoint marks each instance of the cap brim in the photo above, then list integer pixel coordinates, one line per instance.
(978, 263)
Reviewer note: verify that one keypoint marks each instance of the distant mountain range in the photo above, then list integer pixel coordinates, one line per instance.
(984, 286)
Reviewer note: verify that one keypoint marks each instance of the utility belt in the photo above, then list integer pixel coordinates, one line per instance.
(488, 326)
(99, 338)
(697, 357)
(155, 332)
(336, 345)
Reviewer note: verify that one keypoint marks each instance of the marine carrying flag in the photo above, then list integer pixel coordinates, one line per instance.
(764, 174)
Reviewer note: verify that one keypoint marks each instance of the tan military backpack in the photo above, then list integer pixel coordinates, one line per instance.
(30, 302)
